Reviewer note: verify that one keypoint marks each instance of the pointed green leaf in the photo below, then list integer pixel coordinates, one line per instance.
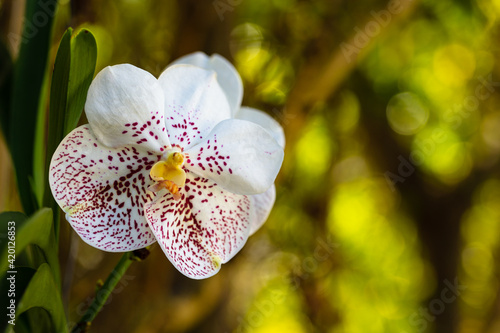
(36, 320)
(73, 72)
(43, 292)
(29, 71)
(58, 94)
(83, 61)
(38, 181)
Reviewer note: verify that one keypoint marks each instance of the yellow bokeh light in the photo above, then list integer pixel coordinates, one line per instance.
(478, 223)
(490, 130)
(247, 38)
(347, 112)
(274, 84)
(489, 195)
(479, 230)
(250, 62)
(454, 64)
(477, 261)
(406, 113)
(351, 168)
(478, 264)
(490, 8)
(442, 153)
(314, 150)
(275, 309)
(383, 270)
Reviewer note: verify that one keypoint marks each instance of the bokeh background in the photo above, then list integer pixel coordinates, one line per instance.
(387, 216)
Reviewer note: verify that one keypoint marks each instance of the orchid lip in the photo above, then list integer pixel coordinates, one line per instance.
(168, 173)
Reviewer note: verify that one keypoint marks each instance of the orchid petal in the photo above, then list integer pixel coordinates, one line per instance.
(262, 205)
(264, 120)
(194, 103)
(240, 156)
(103, 190)
(202, 230)
(227, 76)
(125, 107)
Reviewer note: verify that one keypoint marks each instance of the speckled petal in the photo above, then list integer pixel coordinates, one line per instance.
(239, 156)
(227, 76)
(264, 120)
(194, 103)
(261, 204)
(202, 230)
(125, 107)
(103, 190)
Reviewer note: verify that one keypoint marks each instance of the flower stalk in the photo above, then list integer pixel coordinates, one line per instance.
(107, 288)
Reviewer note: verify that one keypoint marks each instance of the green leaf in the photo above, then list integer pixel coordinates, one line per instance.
(29, 72)
(43, 292)
(58, 92)
(38, 181)
(73, 72)
(5, 88)
(36, 320)
(83, 62)
(37, 230)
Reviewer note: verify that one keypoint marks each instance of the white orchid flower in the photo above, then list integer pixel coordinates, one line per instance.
(161, 159)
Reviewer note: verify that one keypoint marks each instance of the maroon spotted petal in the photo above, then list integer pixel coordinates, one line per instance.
(103, 190)
(204, 229)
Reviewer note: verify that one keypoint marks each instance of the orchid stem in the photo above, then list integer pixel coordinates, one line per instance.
(107, 288)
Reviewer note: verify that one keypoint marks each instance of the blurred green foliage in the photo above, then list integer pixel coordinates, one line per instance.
(390, 189)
